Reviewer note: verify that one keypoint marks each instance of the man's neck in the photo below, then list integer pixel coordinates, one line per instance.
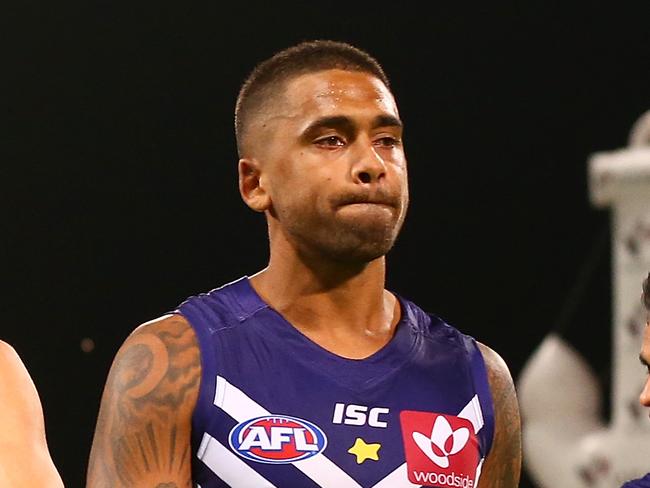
(344, 309)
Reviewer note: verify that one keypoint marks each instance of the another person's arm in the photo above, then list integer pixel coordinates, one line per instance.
(502, 467)
(143, 432)
(24, 456)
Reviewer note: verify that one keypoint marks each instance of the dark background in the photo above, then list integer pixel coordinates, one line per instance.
(118, 169)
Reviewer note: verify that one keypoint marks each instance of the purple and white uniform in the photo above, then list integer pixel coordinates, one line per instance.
(277, 410)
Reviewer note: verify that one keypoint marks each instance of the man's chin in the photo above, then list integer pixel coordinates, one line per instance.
(363, 241)
(359, 252)
(357, 241)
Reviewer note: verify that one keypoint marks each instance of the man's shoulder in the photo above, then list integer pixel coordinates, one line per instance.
(432, 324)
(494, 363)
(155, 358)
(150, 394)
(167, 323)
(499, 376)
(159, 336)
(240, 285)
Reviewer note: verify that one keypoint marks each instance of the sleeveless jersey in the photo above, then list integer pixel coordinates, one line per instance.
(277, 410)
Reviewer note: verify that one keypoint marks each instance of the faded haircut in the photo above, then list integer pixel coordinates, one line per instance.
(268, 78)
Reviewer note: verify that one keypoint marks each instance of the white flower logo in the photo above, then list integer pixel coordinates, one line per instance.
(444, 441)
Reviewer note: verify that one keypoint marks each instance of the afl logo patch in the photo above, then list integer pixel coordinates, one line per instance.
(277, 439)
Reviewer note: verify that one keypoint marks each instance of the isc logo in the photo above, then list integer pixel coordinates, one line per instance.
(277, 439)
(359, 415)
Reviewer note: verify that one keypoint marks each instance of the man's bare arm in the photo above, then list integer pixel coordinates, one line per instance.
(502, 467)
(24, 456)
(143, 432)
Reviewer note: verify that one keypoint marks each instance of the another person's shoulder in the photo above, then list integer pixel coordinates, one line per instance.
(24, 456)
(14, 375)
(5, 348)
(20, 402)
(8, 356)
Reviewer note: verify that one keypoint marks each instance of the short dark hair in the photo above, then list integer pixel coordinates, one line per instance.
(268, 77)
(646, 293)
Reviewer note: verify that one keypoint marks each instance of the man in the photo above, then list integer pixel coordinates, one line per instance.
(24, 456)
(644, 357)
(310, 373)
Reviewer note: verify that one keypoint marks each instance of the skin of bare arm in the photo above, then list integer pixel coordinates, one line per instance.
(143, 432)
(24, 456)
(502, 467)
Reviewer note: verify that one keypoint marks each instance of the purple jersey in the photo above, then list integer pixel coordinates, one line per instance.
(277, 410)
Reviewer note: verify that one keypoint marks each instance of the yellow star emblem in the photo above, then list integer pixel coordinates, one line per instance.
(364, 451)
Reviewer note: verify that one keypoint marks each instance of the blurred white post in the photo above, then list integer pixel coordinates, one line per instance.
(620, 180)
(566, 442)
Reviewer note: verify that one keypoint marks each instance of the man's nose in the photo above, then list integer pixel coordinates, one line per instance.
(368, 166)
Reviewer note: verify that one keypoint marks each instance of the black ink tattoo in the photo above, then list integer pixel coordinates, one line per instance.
(143, 429)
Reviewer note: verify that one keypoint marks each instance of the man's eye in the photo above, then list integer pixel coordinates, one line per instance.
(330, 141)
(388, 141)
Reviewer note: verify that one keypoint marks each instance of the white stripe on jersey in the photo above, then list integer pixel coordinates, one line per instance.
(397, 479)
(236, 403)
(473, 413)
(241, 407)
(228, 466)
(319, 468)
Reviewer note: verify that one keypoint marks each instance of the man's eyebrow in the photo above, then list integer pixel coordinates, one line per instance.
(386, 121)
(341, 122)
(644, 361)
(346, 124)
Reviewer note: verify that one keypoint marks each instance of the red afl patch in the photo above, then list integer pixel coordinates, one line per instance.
(441, 450)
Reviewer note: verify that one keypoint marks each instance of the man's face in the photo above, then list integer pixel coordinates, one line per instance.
(644, 356)
(334, 168)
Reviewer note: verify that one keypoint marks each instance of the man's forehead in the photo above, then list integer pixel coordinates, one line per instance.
(311, 96)
(326, 91)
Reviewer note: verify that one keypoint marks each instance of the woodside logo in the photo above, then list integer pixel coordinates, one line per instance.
(443, 441)
(441, 450)
(443, 479)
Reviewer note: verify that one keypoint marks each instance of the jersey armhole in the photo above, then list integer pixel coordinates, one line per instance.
(482, 387)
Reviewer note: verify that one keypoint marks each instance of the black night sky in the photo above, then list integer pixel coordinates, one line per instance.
(118, 169)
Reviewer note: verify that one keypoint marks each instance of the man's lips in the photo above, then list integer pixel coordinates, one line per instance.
(383, 200)
(369, 202)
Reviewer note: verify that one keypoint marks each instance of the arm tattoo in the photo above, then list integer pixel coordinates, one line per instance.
(503, 465)
(143, 429)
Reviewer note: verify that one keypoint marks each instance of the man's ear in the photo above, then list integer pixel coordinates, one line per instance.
(251, 185)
